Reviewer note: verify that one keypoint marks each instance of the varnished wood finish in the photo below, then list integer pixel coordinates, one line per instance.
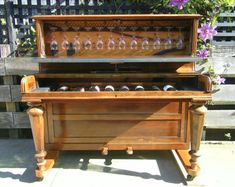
(65, 29)
(123, 16)
(28, 83)
(118, 120)
(197, 112)
(37, 124)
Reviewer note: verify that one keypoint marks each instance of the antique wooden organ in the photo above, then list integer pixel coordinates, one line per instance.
(117, 82)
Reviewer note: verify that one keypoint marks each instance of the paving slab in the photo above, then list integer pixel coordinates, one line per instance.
(88, 169)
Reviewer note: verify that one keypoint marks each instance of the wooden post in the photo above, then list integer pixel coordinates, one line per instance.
(10, 25)
(190, 159)
(197, 112)
(36, 117)
(35, 113)
(11, 106)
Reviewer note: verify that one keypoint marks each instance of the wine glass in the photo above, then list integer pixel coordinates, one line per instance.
(88, 43)
(180, 41)
(145, 43)
(122, 43)
(134, 43)
(111, 42)
(64, 28)
(99, 43)
(76, 28)
(53, 29)
(168, 40)
(54, 44)
(65, 43)
(157, 40)
(76, 43)
(54, 47)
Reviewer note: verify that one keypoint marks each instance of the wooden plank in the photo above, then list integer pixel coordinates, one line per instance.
(15, 93)
(10, 25)
(118, 117)
(224, 96)
(2, 67)
(114, 131)
(147, 107)
(123, 16)
(6, 120)
(146, 95)
(117, 60)
(223, 43)
(21, 120)
(224, 51)
(225, 34)
(227, 14)
(114, 75)
(225, 24)
(5, 94)
(4, 50)
(220, 119)
(20, 66)
(224, 66)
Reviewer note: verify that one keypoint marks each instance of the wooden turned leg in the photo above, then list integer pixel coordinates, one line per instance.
(198, 111)
(129, 150)
(190, 159)
(105, 151)
(37, 124)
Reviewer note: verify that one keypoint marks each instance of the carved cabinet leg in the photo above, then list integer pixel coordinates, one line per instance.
(197, 111)
(35, 113)
(190, 159)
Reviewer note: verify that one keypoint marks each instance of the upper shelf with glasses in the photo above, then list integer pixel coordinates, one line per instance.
(117, 36)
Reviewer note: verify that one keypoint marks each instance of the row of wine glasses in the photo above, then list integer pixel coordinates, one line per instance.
(121, 43)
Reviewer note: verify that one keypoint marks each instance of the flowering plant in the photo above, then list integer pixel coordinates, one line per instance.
(209, 10)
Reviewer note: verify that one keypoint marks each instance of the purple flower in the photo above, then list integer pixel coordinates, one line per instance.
(207, 31)
(178, 3)
(203, 53)
(220, 80)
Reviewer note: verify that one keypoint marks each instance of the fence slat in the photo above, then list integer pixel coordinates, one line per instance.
(6, 120)
(220, 119)
(20, 66)
(224, 66)
(2, 67)
(225, 34)
(5, 94)
(15, 93)
(225, 95)
(226, 24)
(21, 120)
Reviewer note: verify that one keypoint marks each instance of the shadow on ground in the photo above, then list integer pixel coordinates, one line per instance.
(18, 154)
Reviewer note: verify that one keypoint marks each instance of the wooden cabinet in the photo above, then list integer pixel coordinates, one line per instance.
(147, 50)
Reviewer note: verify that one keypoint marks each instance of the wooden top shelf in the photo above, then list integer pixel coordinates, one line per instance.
(118, 60)
(121, 16)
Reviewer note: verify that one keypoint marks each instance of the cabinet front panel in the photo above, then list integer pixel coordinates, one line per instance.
(120, 106)
(116, 123)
